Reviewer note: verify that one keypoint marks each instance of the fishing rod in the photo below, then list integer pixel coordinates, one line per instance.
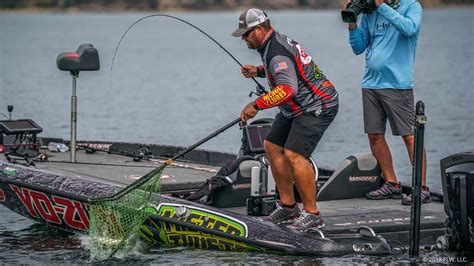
(260, 90)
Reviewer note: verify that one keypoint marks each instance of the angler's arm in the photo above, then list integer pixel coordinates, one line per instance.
(282, 70)
(283, 73)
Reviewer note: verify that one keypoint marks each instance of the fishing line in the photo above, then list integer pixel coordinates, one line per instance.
(259, 90)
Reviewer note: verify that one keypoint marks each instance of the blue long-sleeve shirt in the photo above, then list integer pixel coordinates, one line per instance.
(389, 37)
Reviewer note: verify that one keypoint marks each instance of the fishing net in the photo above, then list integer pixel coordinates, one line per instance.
(116, 220)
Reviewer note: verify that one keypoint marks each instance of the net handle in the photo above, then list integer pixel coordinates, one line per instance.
(152, 173)
(199, 143)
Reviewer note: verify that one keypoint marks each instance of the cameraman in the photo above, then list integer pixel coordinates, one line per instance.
(389, 36)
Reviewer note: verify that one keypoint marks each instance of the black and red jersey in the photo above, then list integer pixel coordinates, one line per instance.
(298, 85)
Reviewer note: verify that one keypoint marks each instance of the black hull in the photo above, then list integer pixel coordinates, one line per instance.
(62, 202)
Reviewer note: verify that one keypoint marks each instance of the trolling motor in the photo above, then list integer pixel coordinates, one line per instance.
(86, 58)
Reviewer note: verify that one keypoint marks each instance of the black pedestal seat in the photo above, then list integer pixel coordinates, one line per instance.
(86, 58)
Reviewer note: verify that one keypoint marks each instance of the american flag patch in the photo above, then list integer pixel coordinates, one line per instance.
(280, 66)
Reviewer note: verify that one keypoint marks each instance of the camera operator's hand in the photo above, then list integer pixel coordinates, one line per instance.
(352, 26)
(348, 3)
(378, 2)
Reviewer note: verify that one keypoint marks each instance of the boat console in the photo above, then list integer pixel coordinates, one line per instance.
(253, 136)
(18, 139)
(250, 181)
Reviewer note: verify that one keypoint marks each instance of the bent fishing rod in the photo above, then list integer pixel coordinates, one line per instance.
(260, 90)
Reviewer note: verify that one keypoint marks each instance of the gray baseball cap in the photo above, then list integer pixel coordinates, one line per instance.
(249, 19)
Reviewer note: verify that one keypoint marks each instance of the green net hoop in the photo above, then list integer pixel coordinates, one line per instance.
(116, 220)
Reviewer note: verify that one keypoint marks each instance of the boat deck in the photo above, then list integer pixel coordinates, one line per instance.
(387, 217)
(121, 170)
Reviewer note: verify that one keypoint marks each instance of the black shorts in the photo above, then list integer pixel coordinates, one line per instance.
(302, 133)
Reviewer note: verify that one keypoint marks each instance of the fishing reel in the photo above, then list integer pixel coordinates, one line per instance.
(259, 91)
(143, 154)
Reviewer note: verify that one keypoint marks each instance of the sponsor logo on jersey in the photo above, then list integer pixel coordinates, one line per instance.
(276, 95)
(305, 58)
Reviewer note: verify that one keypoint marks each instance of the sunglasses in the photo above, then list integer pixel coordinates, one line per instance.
(245, 35)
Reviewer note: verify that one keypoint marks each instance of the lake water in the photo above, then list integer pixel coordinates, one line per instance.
(171, 85)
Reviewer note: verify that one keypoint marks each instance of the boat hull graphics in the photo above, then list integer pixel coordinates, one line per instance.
(62, 202)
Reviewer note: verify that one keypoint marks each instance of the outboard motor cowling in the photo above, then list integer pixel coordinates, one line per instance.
(457, 176)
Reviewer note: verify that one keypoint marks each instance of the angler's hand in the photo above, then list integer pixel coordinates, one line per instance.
(249, 71)
(248, 112)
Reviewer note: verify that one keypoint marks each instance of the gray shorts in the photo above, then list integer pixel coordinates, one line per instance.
(395, 104)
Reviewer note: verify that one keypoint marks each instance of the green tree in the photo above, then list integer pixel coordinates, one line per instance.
(47, 3)
(9, 4)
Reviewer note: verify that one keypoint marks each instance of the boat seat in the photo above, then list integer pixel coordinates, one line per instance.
(86, 58)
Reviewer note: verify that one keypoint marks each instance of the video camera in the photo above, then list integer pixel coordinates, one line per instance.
(354, 8)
